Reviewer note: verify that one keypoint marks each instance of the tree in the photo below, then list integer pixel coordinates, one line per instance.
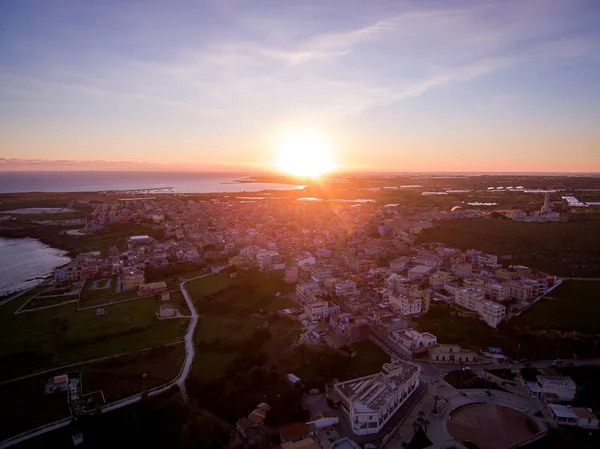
(436, 398)
(203, 430)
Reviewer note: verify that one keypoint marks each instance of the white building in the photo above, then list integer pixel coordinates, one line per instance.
(399, 264)
(317, 311)
(419, 272)
(406, 305)
(557, 388)
(371, 401)
(345, 288)
(491, 312)
(473, 298)
(319, 274)
(469, 296)
(574, 416)
(264, 258)
(497, 291)
(309, 292)
(414, 340)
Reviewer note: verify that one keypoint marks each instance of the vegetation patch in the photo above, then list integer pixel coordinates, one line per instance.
(63, 335)
(125, 376)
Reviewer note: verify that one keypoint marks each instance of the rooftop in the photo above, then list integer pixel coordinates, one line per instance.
(371, 393)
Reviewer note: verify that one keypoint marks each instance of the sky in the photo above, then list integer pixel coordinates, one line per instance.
(389, 85)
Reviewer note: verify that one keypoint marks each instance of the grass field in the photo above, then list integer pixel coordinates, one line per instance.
(49, 301)
(563, 248)
(108, 299)
(125, 376)
(99, 287)
(200, 288)
(62, 335)
(515, 339)
(573, 306)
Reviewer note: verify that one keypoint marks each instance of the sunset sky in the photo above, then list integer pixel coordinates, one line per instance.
(390, 85)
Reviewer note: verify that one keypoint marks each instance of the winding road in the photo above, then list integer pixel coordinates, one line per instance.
(179, 381)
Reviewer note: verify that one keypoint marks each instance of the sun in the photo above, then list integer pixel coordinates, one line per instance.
(304, 154)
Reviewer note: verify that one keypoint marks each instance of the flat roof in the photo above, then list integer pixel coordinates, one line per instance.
(372, 393)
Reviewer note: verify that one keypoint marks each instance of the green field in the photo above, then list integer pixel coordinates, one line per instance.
(558, 326)
(99, 287)
(108, 299)
(125, 376)
(62, 335)
(573, 307)
(49, 301)
(565, 249)
(199, 288)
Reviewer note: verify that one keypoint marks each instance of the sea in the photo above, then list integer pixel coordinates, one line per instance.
(94, 181)
(24, 263)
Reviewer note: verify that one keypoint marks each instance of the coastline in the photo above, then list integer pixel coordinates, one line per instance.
(37, 276)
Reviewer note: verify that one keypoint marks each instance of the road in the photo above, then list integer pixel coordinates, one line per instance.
(179, 381)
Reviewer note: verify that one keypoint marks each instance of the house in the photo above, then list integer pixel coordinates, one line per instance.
(57, 384)
(451, 354)
(574, 416)
(132, 279)
(152, 288)
(399, 264)
(557, 388)
(258, 415)
(306, 443)
(414, 340)
(317, 311)
(419, 272)
(293, 379)
(296, 432)
(166, 311)
(324, 419)
(406, 305)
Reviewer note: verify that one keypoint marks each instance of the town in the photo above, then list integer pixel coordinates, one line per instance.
(349, 276)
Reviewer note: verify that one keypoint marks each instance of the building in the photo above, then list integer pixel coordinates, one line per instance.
(350, 328)
(345, 288)
(497, 291)
(406, 305)
(414, 340)
(371, 401)
(132, 279)
(451, 354)
(309, 292)
(399, 264)
(138, 239)
(473, 298)
(153, 288)
(264, 258)
(520, 290)
(319, 274)
(296, 432)
(419, 272)
(491, 312)
(317, 310)
(574, 416)
(306, 443)
(57, 384)
(463, 270)
(557, 388)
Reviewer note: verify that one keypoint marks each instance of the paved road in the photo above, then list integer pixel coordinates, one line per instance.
(179, 381)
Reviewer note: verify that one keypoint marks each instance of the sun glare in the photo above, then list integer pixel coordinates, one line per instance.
(304, 154)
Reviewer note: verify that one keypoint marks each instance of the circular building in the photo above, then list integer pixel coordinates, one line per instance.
(490, 426)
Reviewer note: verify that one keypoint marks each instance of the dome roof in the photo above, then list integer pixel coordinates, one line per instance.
(455, 208)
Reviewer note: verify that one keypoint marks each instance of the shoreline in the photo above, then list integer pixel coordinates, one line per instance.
(36, 279)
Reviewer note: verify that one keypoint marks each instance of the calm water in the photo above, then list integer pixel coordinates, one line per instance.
(24, 261)
(93, 181)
